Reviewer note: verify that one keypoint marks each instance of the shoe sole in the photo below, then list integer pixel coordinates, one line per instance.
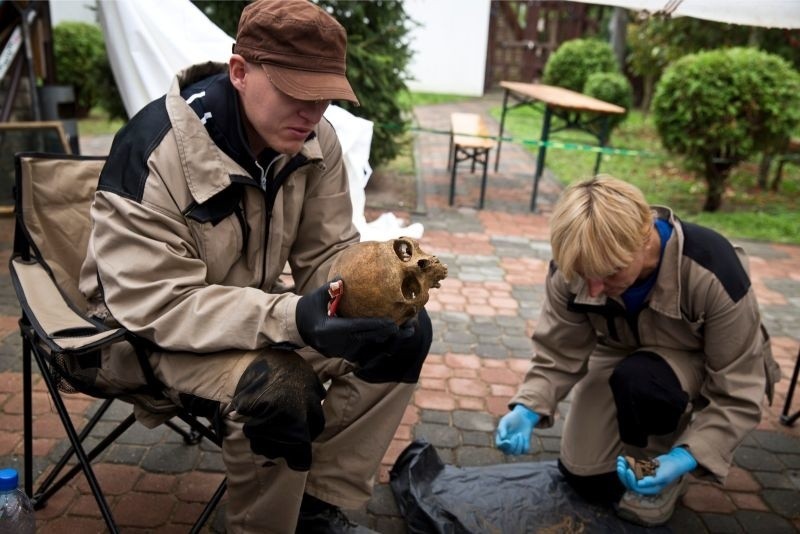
(631, 517)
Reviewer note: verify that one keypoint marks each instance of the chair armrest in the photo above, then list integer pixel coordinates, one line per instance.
(53, 318)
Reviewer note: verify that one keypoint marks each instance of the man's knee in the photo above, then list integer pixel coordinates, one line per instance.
(648, 396)
(401, 359)
(280, 397)
(604, 489)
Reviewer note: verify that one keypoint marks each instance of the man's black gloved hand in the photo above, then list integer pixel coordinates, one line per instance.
(281, 397)
(338, 336)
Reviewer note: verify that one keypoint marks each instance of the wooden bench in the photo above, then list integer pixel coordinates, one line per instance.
(469, 141)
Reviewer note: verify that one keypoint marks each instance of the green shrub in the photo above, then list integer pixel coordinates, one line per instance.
(378, 55)
(720, 107)
(572, 63)
(611, 87)
(108, 95)
(79, 52)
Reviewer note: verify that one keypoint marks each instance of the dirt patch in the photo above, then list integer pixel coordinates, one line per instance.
(390, 190)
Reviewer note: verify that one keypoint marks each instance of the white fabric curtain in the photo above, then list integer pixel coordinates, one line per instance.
(765, 13)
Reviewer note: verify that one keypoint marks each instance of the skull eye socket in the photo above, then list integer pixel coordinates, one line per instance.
(402, 249)
(410, 288)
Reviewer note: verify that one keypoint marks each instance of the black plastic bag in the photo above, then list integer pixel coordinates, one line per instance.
(515, 498)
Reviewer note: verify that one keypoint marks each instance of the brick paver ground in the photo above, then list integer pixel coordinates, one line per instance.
(483, 317)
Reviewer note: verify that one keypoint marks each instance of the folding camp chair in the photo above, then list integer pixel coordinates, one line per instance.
(53, 195)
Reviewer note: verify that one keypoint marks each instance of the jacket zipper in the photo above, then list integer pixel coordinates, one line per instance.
(270, 188)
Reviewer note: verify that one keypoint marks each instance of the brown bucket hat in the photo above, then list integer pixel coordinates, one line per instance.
(300, 46)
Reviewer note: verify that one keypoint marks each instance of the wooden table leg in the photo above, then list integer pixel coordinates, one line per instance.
(602, 138)
(548, 113)
(502, 125)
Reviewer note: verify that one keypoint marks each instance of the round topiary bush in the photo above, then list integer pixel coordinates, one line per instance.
(80, 51)
(574, 61)
(722, 106)
(611, 87)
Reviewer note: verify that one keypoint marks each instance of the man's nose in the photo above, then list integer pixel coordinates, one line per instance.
(596, 286)
(312, 111)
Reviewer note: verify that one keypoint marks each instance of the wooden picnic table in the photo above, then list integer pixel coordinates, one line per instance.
(564, 104)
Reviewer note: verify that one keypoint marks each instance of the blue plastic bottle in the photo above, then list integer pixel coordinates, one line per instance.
(16, 511)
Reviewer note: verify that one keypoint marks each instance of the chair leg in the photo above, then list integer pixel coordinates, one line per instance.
(190, 438)
(27, 415)
(74, 440)
(786, 419)
(45, 491)
(49, 487)
(212, 504)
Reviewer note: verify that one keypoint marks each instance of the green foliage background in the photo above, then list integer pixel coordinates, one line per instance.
(654, 42)
(611, 87)
(572, 63)
(80, 52)
(720, 107)
(588, 66)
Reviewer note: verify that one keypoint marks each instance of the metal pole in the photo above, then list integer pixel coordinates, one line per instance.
(603, 138)
(500, 135)
(26, 41)
(548, 113)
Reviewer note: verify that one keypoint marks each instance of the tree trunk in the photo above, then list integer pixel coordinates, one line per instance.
(763, 170)
(648, 86)
(716, 171)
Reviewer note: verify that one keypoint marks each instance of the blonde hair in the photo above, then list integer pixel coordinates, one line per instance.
(597, 226)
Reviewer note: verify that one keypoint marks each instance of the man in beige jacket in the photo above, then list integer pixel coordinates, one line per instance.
(207, 194)
(653, 325)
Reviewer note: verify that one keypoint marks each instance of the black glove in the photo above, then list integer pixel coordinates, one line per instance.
(399, 358)
(338, 336)
(281, 397)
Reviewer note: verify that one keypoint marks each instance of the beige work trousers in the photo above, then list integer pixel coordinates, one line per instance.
(590, 442)
(264, 496)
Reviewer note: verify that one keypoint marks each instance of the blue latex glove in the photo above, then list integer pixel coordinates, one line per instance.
(514, 430)
(671, 467)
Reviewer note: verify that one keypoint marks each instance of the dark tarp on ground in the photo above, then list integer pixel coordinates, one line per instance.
(514, 498)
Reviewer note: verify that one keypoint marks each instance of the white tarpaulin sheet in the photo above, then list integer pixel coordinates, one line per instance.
(148, 41)
(765, 13)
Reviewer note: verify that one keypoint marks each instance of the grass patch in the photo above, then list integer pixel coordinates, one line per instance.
(747, 212)
(98, 123)
(411, 99)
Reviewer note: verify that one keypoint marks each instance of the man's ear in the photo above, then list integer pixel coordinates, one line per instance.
(237, 69)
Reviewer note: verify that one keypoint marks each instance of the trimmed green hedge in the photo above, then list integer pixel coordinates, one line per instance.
(80, 51)
(574, 61)
(611, 87)
(720, 107)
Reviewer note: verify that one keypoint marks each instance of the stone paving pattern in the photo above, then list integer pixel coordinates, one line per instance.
(483, 317)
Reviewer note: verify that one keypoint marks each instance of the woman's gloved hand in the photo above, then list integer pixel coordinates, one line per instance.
(514, 430)
(671, 467)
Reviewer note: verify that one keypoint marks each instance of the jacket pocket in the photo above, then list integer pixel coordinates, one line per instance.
(220, 246)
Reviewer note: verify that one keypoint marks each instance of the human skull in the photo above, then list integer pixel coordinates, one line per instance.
(386, 279)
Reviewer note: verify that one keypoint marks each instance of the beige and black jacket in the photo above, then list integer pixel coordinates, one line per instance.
(702, 304)
(188, 246)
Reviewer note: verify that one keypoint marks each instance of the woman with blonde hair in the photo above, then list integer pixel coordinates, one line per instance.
(653, 325)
